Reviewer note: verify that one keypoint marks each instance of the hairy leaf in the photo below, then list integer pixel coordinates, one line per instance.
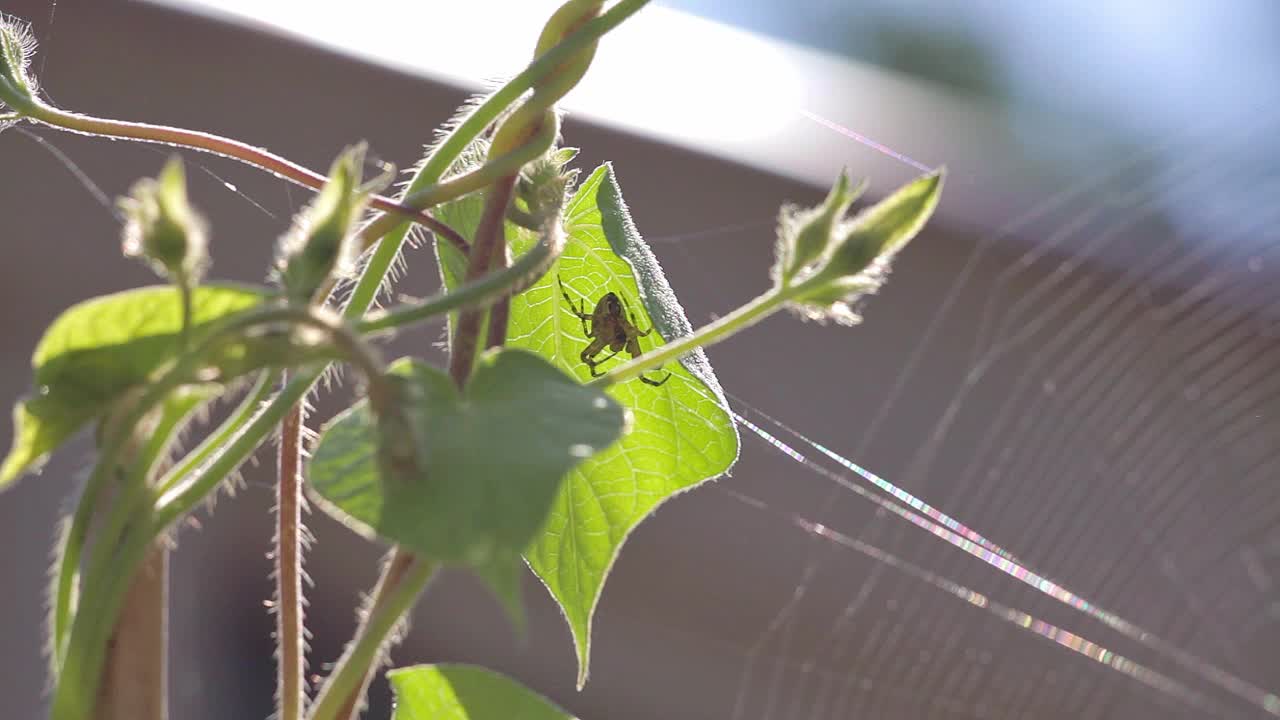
(465, 692)
(487, 462)
(682, 434)
(97, 351)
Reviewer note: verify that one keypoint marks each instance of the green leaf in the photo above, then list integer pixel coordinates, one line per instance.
(98, 350)
(319, 242)
(858, 263)
(682, 434)
(492, 459)
(464, 215)
(465, 692)
(805, 234)
(163, 229)
(884, 228)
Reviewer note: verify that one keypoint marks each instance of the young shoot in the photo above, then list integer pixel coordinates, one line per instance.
(318, 248)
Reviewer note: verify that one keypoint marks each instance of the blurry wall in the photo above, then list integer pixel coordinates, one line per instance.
(698, 583)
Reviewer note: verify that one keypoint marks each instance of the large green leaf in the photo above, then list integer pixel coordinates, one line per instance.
(682, 434)
(98, 350)
(465, 692)
(491, 459)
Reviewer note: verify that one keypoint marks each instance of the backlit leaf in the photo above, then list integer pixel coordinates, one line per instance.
(465, 692)
(682, 433)
(97, 351)
(490, 459)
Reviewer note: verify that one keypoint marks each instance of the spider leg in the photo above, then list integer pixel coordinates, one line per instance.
(592, 363)
(580, 311)
(631, 316)
(633, 347)
(656, 383)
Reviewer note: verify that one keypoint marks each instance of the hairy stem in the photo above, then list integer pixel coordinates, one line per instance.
(130, 522)
(81, 675)
(406, 575)
(184, 492)
(461, 136)
(499, 318)
(403, 578)
(59, 119)
(290, 649)
(253, 399)
(114, 655)
(135, 672)
(480, 293)
(490, 241)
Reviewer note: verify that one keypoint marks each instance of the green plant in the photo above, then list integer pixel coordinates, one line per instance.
(414, 461)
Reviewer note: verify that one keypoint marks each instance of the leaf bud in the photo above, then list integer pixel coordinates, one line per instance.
(318, 246)
(17, 45)
(162, 228)
(544, 183)
(804, 235)
(858, 262)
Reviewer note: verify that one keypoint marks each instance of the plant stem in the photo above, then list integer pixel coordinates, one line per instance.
(405, 575)
(403, 579)
(81, 674)
(178, 497)
(184, 493)
(479, 293)
(461, 136)
(130, 522)
(184, 296)
(135, 672)
(499, 318)
(38, 110)
(212, 465)
(69, 565)
(115, 645)
(739, 319)
(71, 543)
(112, 448)
(489, 173)
(391, 230)
(256, 395)
(290, 659)
(490, 241)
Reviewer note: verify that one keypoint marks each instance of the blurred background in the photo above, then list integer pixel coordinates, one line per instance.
(1077, 360)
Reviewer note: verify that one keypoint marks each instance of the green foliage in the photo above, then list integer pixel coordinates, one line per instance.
(318, 245)
(162, 228)
(465, 692)
(682, 435)
(544, 183)
(856, 263)
(484, 465)
(804, 235)
(100, 349)
(17, 45)
(599, 406)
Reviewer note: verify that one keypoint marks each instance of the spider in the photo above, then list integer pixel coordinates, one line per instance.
(609, 328)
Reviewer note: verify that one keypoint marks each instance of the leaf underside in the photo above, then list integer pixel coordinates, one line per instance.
(491, 459)
(682, 433)
(100, 349)
(465, 692)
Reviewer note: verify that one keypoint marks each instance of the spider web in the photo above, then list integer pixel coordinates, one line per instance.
(1160, 377)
